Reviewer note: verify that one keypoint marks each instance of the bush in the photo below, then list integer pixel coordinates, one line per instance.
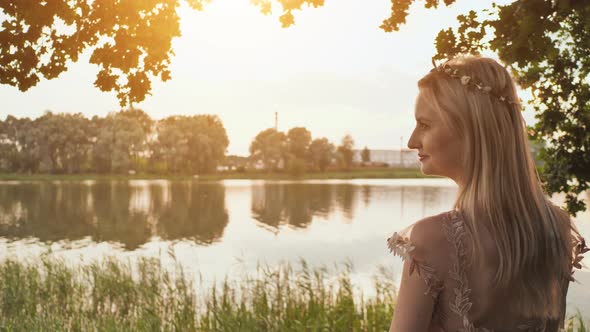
(297, 167)
(158, 167)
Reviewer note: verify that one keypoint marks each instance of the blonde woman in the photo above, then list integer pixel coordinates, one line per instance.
(503, 257)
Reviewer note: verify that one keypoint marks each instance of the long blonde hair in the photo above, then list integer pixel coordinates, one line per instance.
(501, 188)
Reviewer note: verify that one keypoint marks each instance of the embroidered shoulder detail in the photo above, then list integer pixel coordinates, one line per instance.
(402, 247)
(460, 305)
(580, 248)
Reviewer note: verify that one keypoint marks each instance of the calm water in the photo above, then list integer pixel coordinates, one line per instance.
(226, 228)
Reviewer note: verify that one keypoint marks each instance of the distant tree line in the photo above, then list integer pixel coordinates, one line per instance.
(297, 153)
(118, 143)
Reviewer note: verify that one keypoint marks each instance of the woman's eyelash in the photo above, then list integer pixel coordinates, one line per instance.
(422, 125)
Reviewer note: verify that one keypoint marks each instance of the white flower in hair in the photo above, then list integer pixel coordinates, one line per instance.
(467, 80)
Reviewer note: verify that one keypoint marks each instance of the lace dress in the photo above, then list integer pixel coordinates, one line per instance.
(449, 284)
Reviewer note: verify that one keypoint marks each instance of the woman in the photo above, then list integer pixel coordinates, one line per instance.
(502, 259)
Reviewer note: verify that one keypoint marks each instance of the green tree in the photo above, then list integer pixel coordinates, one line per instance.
(120, 138)
(366, 155)
(23, 135)
(269, 146)
(63, 141)
(8, 150)
(346, 152)
(298, 140)
(119, 142)
(190, 144)
(170, 146)
(297, 166)
(321, 152)
(74, 153)
(50, 138)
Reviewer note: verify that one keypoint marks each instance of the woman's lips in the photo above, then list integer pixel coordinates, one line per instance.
(422, 157)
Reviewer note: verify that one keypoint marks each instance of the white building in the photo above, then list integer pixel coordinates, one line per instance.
(393, 158)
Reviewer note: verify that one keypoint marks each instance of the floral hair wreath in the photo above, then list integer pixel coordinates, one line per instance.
(469, 81)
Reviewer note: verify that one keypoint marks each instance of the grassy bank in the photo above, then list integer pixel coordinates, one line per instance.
(359, 173)
(114, 295)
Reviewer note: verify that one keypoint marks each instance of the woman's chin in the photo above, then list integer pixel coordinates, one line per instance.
(424, 167)
(426, 170)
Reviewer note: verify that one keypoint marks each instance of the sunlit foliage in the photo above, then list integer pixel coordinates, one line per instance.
(121, 142)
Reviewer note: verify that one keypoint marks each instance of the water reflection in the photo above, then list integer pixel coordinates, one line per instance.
(130, 213)
(133, 212)
(196, 212)
(296, 204)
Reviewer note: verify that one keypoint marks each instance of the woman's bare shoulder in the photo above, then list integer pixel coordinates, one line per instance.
(428, 239)
(430, 230)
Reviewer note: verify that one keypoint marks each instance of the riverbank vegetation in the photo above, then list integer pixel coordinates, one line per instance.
(115, 295)
(130, 142)
(119, 143)
(111, 294)
(360, 173)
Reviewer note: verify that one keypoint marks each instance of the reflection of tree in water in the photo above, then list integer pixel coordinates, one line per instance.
(195, 211)
(112, 211)
(296, 204)
(320, 197)
(366, 195)
(345, 198)
(268, 204)
(45, 210)
(115, 220)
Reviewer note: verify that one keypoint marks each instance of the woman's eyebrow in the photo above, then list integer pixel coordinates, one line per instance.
(422, 119)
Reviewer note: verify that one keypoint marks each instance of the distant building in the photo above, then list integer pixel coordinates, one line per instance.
(393, 158)
(224, 168)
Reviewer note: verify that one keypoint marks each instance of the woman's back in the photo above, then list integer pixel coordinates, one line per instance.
(438, 250)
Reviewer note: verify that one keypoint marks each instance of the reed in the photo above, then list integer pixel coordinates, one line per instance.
(48, 294)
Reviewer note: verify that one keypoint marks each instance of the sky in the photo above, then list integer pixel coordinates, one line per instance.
(334, 72)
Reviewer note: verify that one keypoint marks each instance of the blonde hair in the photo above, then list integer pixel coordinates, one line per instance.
(501, 189)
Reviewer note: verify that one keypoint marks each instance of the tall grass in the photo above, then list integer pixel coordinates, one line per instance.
(103, 296)
(284, 299)
(114, 295)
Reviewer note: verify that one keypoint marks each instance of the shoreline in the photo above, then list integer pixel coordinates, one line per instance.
(361, 173)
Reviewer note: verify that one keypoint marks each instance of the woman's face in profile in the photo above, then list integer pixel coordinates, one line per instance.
(439, 149)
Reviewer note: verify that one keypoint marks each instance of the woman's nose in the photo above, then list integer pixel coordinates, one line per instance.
(413, 141)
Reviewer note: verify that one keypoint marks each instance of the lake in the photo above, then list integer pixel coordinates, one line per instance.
(217, 229)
